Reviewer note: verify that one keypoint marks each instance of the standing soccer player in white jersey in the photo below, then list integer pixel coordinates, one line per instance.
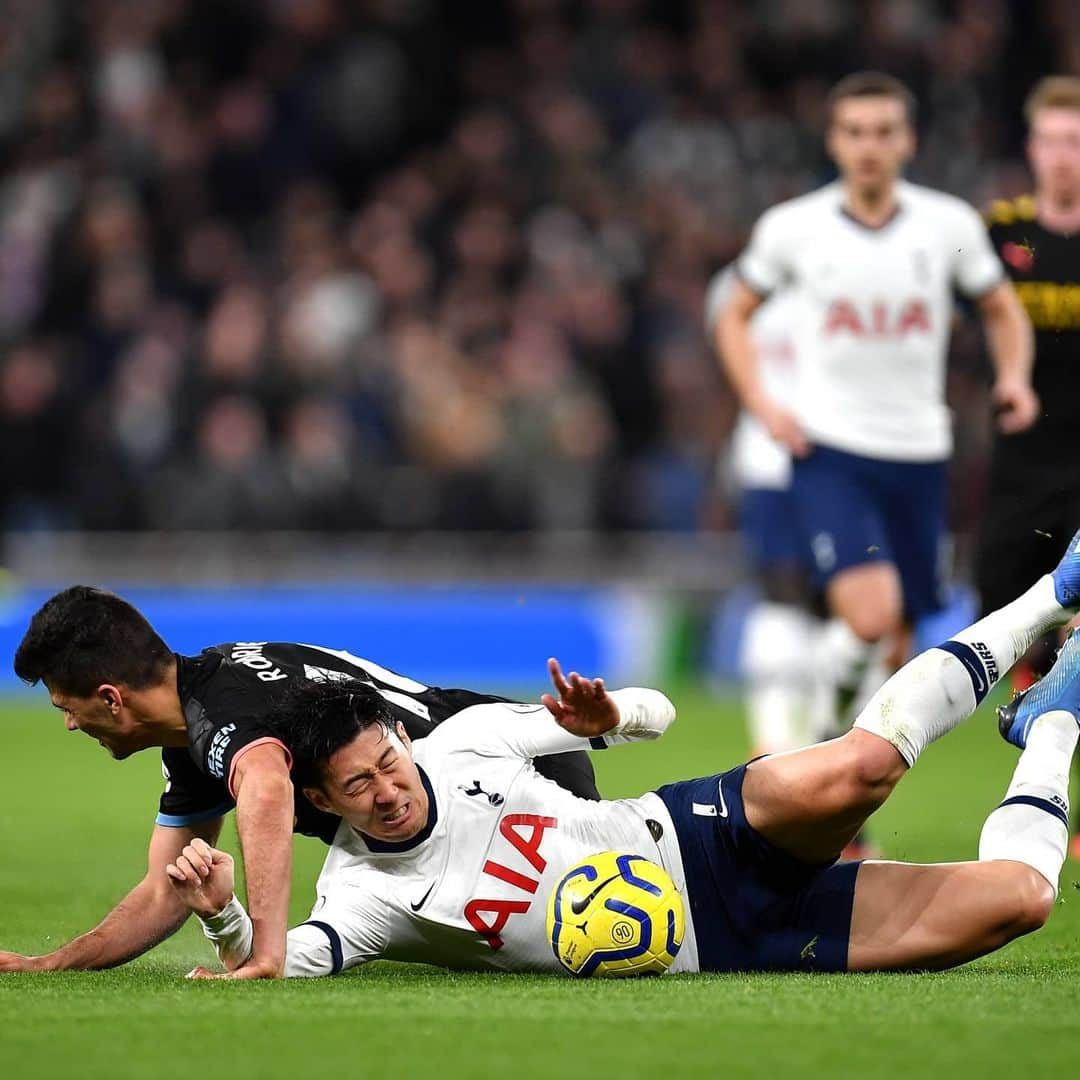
(876, 260)
(449, 847)
(779, 639)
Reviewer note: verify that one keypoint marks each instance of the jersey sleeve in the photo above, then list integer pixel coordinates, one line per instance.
(529, 731)
(225, 722)
(765, 266)
(343, 932)
(976, 266)
(190, 796)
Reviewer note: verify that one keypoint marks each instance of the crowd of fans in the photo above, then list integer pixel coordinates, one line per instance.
(397, 264)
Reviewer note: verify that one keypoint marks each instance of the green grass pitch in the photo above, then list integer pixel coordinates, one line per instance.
(73, 839)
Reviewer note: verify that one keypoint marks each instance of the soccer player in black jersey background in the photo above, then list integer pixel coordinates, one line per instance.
(1034, 492)
(115, 679)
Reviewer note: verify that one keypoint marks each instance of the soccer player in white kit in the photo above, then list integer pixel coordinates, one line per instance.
(779, 640)
(875, 260)
(449, 847)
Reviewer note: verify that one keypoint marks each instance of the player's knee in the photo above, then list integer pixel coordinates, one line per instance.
(873, 623)
(875, 766)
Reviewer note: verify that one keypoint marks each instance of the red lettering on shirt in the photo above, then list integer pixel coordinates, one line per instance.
(501, 909)
(530, 847)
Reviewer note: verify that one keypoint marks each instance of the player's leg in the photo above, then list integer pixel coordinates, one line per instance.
(809, 802)
(833, 495)
(908, 917)
(777, 651)
(936, 916)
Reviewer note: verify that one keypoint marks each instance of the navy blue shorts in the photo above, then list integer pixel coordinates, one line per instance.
(755, 908)
(770, 529)
(854, 510)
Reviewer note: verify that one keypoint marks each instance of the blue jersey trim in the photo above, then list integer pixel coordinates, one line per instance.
(176, 821)
(336, 958)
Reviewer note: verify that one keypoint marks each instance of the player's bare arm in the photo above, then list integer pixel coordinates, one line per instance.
(1011, 341)
(264, 818)
(735, 347)
(146, 916)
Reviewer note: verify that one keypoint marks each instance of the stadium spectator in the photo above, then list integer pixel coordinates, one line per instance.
(321, 173)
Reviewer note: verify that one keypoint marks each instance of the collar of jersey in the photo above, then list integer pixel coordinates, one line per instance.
(388, 847)
(898, 209)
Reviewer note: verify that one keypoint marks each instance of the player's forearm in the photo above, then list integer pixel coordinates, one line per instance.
(146, 916)
(643, 714)
(738, 358)
(1010, 339)
(231, 933)
(264, 816)
(308, 952)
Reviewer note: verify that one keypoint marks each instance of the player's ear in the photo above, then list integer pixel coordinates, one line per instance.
(318, 799)
(403, 735)
(111, 697)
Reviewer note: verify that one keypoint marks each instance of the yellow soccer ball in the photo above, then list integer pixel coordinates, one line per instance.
(614, 915)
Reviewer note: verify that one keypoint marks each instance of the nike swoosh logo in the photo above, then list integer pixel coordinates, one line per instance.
(722, 808)
(578, 906)
(423, 899)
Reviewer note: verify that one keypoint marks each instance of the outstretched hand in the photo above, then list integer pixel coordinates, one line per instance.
(583, 706)
(10, 961)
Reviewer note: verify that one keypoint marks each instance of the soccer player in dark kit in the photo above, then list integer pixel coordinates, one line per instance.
(1034, 496)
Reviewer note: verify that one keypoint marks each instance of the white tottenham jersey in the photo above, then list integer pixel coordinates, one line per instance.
(877, 308)
(756, 459)
(471, 890)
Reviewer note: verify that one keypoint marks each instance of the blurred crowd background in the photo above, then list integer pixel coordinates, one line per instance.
(401, 264)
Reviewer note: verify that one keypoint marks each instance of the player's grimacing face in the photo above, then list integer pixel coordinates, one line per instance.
(98, 716)
(1054, 152)
(870, 139)
(374, 784)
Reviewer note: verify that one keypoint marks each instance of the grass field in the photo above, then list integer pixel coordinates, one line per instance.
(73, 839)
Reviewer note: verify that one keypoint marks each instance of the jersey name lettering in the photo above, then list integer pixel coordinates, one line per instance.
(525, 834)
(249, 653)
(881, 320)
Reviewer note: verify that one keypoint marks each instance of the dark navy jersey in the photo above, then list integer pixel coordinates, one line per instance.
(228, 690)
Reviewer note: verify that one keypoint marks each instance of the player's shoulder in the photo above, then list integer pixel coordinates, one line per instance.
(930, 200)
(1003, 213)
(807, 207)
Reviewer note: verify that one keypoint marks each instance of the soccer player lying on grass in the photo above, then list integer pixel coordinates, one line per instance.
(449, 846)
(114, 678)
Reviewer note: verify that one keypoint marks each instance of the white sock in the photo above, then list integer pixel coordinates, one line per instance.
(844, 658)
(1032, 823)
(845, 654)
(943, 686)
(778, 664)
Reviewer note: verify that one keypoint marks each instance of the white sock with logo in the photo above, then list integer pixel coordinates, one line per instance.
(1031, 825)
(933, 693)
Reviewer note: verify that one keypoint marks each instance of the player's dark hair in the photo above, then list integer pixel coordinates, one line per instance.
(83, 637)
(864, 84)
(315, 718)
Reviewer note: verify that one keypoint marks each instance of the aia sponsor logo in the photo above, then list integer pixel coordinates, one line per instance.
(880, 319)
